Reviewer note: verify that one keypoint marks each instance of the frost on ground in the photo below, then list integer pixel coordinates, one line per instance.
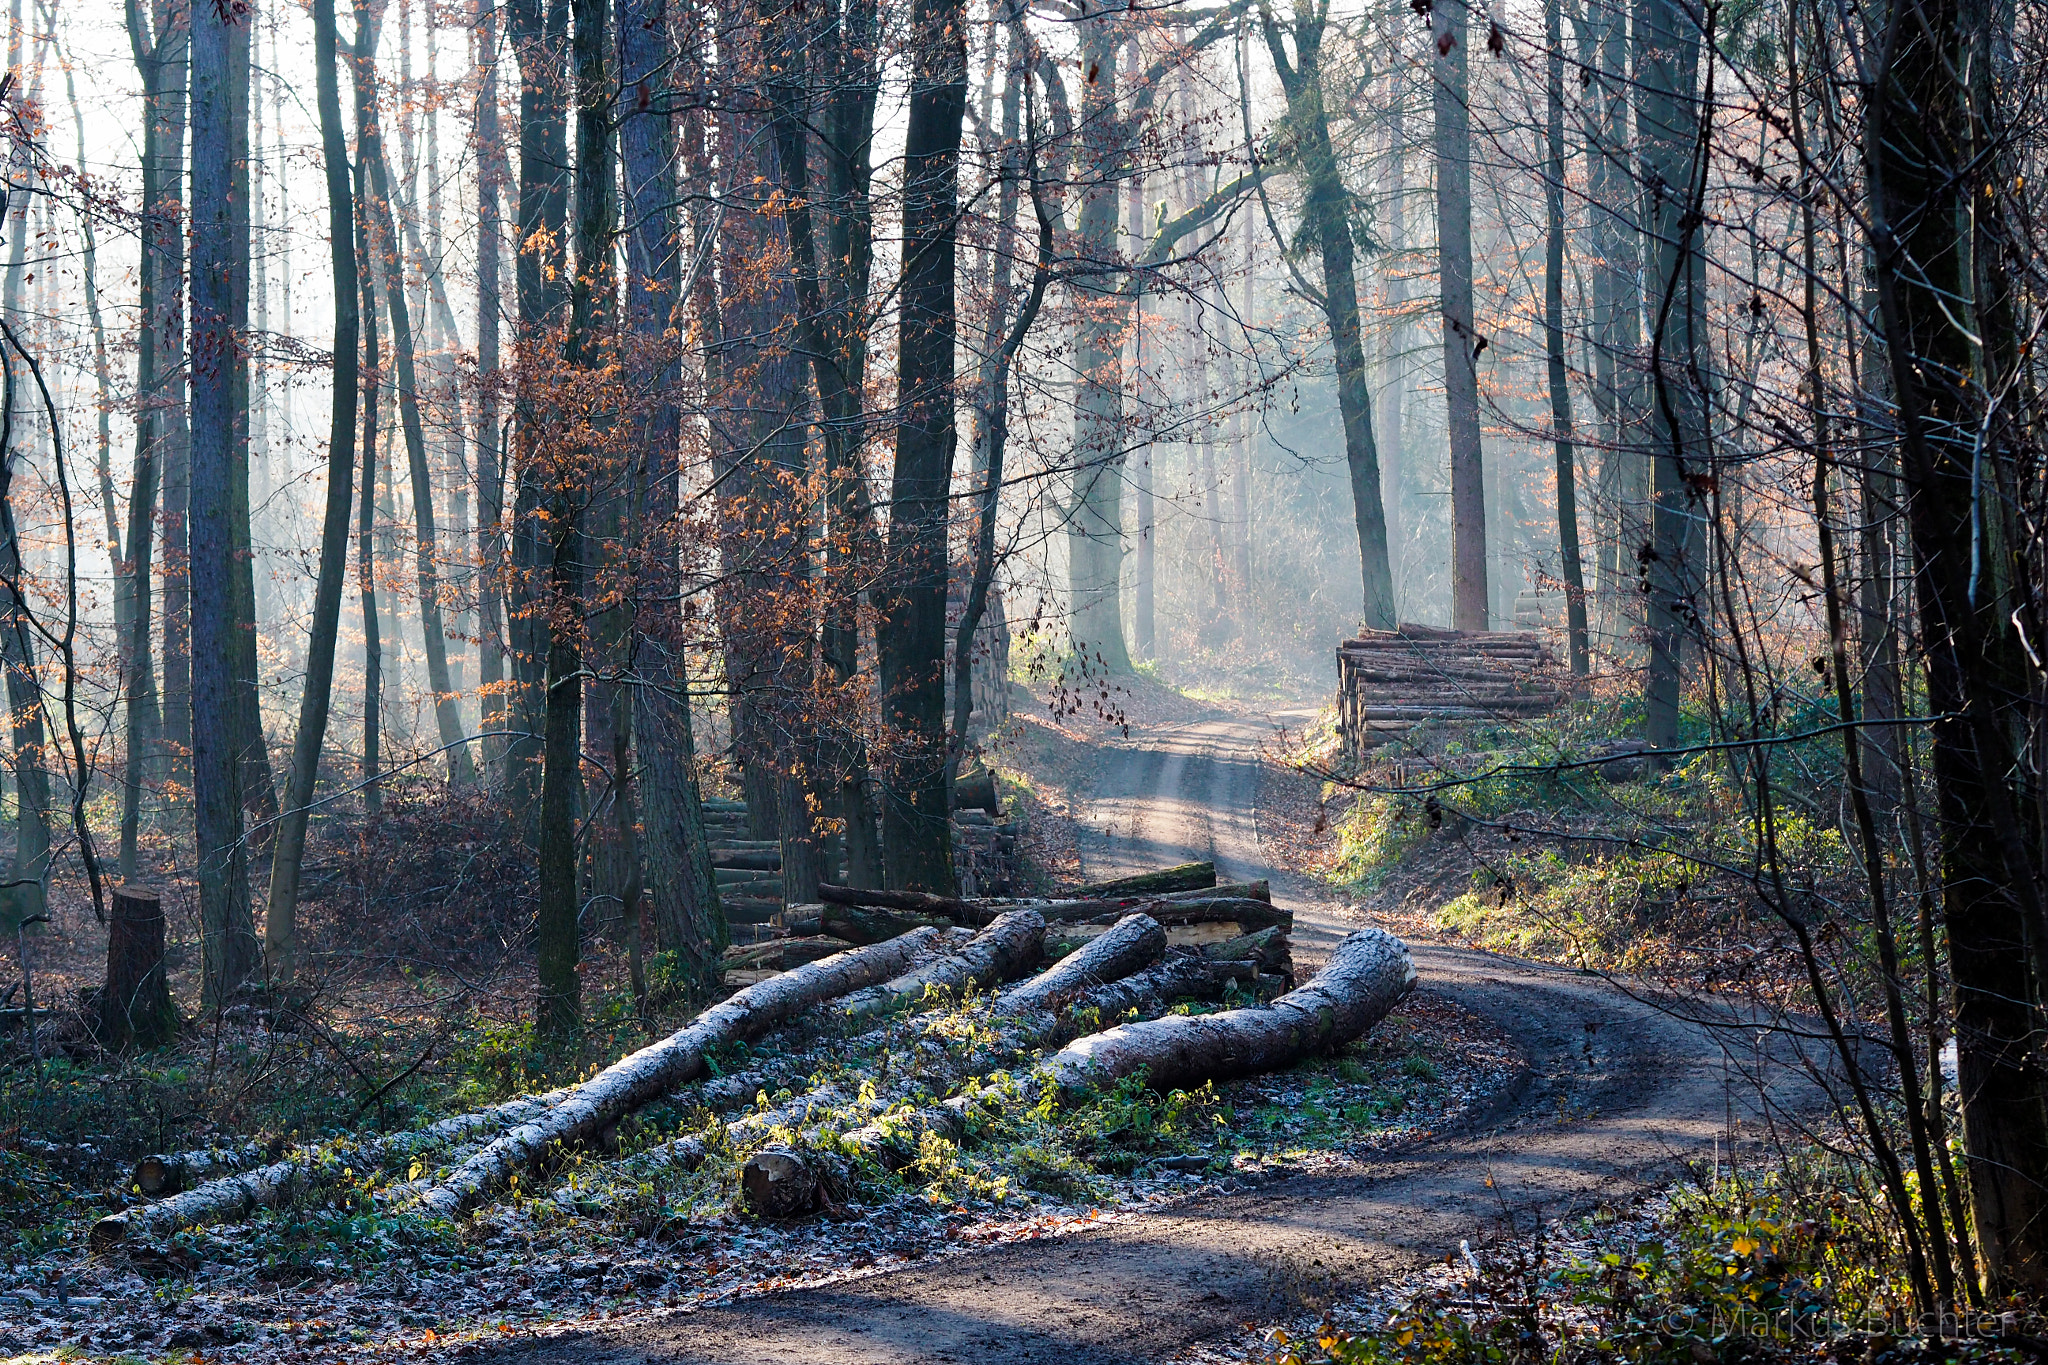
(633, 1235)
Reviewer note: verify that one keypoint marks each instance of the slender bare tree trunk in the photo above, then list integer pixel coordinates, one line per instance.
(280, 925)
(490, 475)
(1553, 329)
(1470, 608)
(228, 946)
(916, 816)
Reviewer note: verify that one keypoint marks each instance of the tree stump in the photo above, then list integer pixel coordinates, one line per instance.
(136, 1005)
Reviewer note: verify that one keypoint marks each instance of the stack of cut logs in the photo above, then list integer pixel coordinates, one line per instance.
(1229, 922)
(1123, 953)
(749, 870)
(1389, 681)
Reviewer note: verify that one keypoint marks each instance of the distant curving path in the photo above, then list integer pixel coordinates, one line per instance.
(1614, 1094)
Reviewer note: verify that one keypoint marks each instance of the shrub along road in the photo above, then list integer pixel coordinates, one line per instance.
(1613, 1095)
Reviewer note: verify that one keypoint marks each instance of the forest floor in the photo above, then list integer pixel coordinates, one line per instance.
(1500, 1094)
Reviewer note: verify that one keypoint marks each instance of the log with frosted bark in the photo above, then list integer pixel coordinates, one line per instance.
(1010, 944)
(1134, 942)
(162, 1173)
(635, 1080)
(227, 1193)
(780, 954)
(1183, 976)
(1367, 975)
(216, 1201)
(1186, 877)
(894, 1141)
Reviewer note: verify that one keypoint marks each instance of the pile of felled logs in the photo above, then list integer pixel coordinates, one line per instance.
(749, 870)
(1122, 953)
(1390, 681)
(1219, 922)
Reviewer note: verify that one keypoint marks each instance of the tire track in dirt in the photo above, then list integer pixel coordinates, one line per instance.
(1613, 1096)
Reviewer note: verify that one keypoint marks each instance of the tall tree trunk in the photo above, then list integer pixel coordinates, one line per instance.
(1326, 218)
(916, 819)
(1668, 116)
(17, 644)
(229, 951)
(490, 476)
(447, 706)
(681, 889)
(1925, 126)
(366, 503)
(174, 459)
(851, 547)
(149, 42)
(538, 31)
(1553, 330)
(252, 751)
(280, 927)
(1470, 609)
(590, 305)
(1617, 314)
(1394, 377)
(1095, 514)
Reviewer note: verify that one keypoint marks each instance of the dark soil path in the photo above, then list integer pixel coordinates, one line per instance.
(1613, 1096)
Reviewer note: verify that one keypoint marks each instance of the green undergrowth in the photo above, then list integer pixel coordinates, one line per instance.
(1799, 1263)
(1023, 1146)
(1557, 861)
(72, 1128)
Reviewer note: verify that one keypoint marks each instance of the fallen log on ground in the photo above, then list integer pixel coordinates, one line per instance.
(1183, 976)
(1186, 877)
(1367, 975)
(781, 954)
(225, 1197)
(1228, 910)
(627, 1084)
(1012, 942)
(781, 1182)
(873, 924)
(1132, 943)
(1269, 949)
(165, 1173)
(913, 902)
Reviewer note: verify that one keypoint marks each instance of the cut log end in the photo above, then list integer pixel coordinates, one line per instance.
(107, 1234)
(780, 1183)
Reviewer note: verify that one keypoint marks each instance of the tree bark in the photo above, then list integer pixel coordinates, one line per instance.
(683, 892)
(150, 43)
(1095, 512)
(228, 947)
(601, 1101)
(538, 32)
(1132, 943)
(1185, 877)
(135, 1006)
(370, 141)
(1925, 125)
(280, 923)
(252, 749)
(1668, 116)
(1326, 218)
(490, 472)
(1553, 332)
(1009, 944)
(916, 823)
(1470, 609)
(1368, 974)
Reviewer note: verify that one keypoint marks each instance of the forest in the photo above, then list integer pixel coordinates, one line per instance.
(1202, 680)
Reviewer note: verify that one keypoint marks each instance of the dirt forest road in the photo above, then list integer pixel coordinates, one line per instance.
(1613, 1096)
